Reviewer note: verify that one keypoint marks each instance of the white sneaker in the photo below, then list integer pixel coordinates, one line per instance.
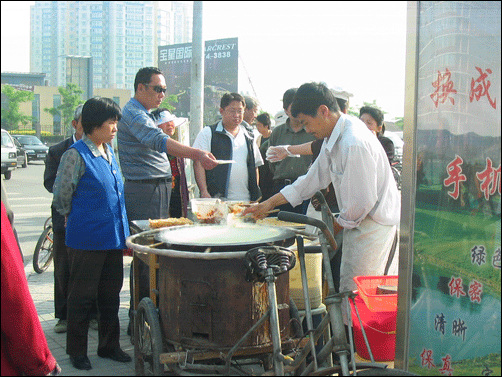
(61, 326)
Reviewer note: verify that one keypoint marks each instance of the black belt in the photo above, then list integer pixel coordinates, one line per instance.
(153, 180)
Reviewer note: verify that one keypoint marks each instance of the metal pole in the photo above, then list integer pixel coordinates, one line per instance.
(197, 75)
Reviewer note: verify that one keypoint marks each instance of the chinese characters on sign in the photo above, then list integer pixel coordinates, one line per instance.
(489, 178)
(444, 88)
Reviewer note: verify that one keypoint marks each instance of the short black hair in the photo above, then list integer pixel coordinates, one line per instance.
(228, 98)
(287, 97)
(342, 103)
(156, 113)
(98, 110)
(144, 76)
(310, 96)
(264, 118)
(376, 114)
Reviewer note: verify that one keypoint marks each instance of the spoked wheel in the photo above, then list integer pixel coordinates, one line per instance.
(147, 340)
(42, 256)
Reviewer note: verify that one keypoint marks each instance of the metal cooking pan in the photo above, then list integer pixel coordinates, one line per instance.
(222, 238)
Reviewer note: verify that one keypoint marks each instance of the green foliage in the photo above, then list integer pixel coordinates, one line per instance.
(168, 102)
(70, 99)
(355, 110)
(399, 123)
(11, 115)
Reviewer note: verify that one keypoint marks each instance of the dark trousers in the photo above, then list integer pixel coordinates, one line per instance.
(94, 274)
(61, 277)
(145, 201)
(301, 208)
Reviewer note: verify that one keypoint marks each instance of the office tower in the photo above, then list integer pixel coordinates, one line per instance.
(119, 36)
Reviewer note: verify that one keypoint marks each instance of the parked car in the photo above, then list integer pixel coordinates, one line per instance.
(35, 149)
(22, 157)
(9, 154)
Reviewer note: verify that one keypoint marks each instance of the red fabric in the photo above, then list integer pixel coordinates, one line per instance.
(24, 347)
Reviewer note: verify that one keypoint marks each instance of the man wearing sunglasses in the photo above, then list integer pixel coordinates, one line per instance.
(143, 149)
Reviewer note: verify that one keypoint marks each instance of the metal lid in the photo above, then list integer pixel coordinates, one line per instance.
(199, 238)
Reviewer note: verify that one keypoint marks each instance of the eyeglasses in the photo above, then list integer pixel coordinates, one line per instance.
(157, 88)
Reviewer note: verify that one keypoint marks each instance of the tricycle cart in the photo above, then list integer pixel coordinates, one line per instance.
(224, 304)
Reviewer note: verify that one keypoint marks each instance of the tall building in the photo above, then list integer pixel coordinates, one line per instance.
(119, 36)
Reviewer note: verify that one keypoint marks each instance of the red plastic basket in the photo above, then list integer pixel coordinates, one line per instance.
(367, 286)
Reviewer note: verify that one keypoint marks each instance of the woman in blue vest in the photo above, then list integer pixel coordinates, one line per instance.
(89, 192)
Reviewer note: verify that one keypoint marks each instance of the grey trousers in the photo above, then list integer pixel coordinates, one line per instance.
(145, 201)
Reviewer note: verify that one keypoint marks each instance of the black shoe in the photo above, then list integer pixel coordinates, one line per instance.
(80, 362)
(117, 355)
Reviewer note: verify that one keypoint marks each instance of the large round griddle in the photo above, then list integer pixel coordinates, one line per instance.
(222, 238)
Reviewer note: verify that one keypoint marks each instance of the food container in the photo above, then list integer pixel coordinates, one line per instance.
(368, 287)
(313, 267)
(209, 210)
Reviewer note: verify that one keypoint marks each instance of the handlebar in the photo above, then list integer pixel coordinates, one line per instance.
(302, 219)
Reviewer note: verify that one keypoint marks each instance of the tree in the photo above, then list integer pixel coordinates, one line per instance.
(355, 110)
(11, 115)
(70, 99)
(399, 123)
(168, 101)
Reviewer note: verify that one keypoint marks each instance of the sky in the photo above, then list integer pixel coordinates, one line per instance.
(359, 46)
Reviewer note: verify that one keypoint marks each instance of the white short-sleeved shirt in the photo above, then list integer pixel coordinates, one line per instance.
(238, 183)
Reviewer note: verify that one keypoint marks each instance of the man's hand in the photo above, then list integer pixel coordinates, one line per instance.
(277, 153)
(260, 210)
(206, 159)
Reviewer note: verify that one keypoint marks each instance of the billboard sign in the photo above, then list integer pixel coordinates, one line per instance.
(220, 74)
(455, 314)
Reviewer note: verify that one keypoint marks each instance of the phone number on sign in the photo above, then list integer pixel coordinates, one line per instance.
(218, 55)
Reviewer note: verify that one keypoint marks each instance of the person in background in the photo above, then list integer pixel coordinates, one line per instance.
(24, 347)
(288, 170)
(263, 124)
(178, 204)
(61, 262)
(355, 163)
(251, 110)
(89, 192)
(373, 118)
(229, 140)
(143, 149)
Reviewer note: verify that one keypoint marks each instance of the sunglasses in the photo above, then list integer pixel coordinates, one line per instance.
(157, 88)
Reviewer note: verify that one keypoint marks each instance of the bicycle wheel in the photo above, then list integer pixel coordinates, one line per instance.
(42, 257)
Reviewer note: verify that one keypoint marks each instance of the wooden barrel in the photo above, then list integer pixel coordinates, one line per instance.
(210, 302)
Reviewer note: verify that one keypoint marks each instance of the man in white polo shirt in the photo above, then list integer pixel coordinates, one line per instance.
(228, 140)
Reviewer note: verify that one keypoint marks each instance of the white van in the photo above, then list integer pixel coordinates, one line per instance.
(9, 154)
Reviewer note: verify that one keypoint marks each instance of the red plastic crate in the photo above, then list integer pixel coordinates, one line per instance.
(367, 286)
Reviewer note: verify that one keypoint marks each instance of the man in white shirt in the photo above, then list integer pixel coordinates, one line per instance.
(355, 162)
(228, 140)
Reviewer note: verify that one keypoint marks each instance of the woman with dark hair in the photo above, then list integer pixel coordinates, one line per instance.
(89, 192)
(373, 118)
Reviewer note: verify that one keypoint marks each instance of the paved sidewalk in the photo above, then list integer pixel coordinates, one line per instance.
(42, 290)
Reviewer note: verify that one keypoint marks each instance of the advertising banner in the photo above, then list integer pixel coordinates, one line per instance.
(455, 314)
(220, 74)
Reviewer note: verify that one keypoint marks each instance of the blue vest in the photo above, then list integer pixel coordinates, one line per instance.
(98, 219)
